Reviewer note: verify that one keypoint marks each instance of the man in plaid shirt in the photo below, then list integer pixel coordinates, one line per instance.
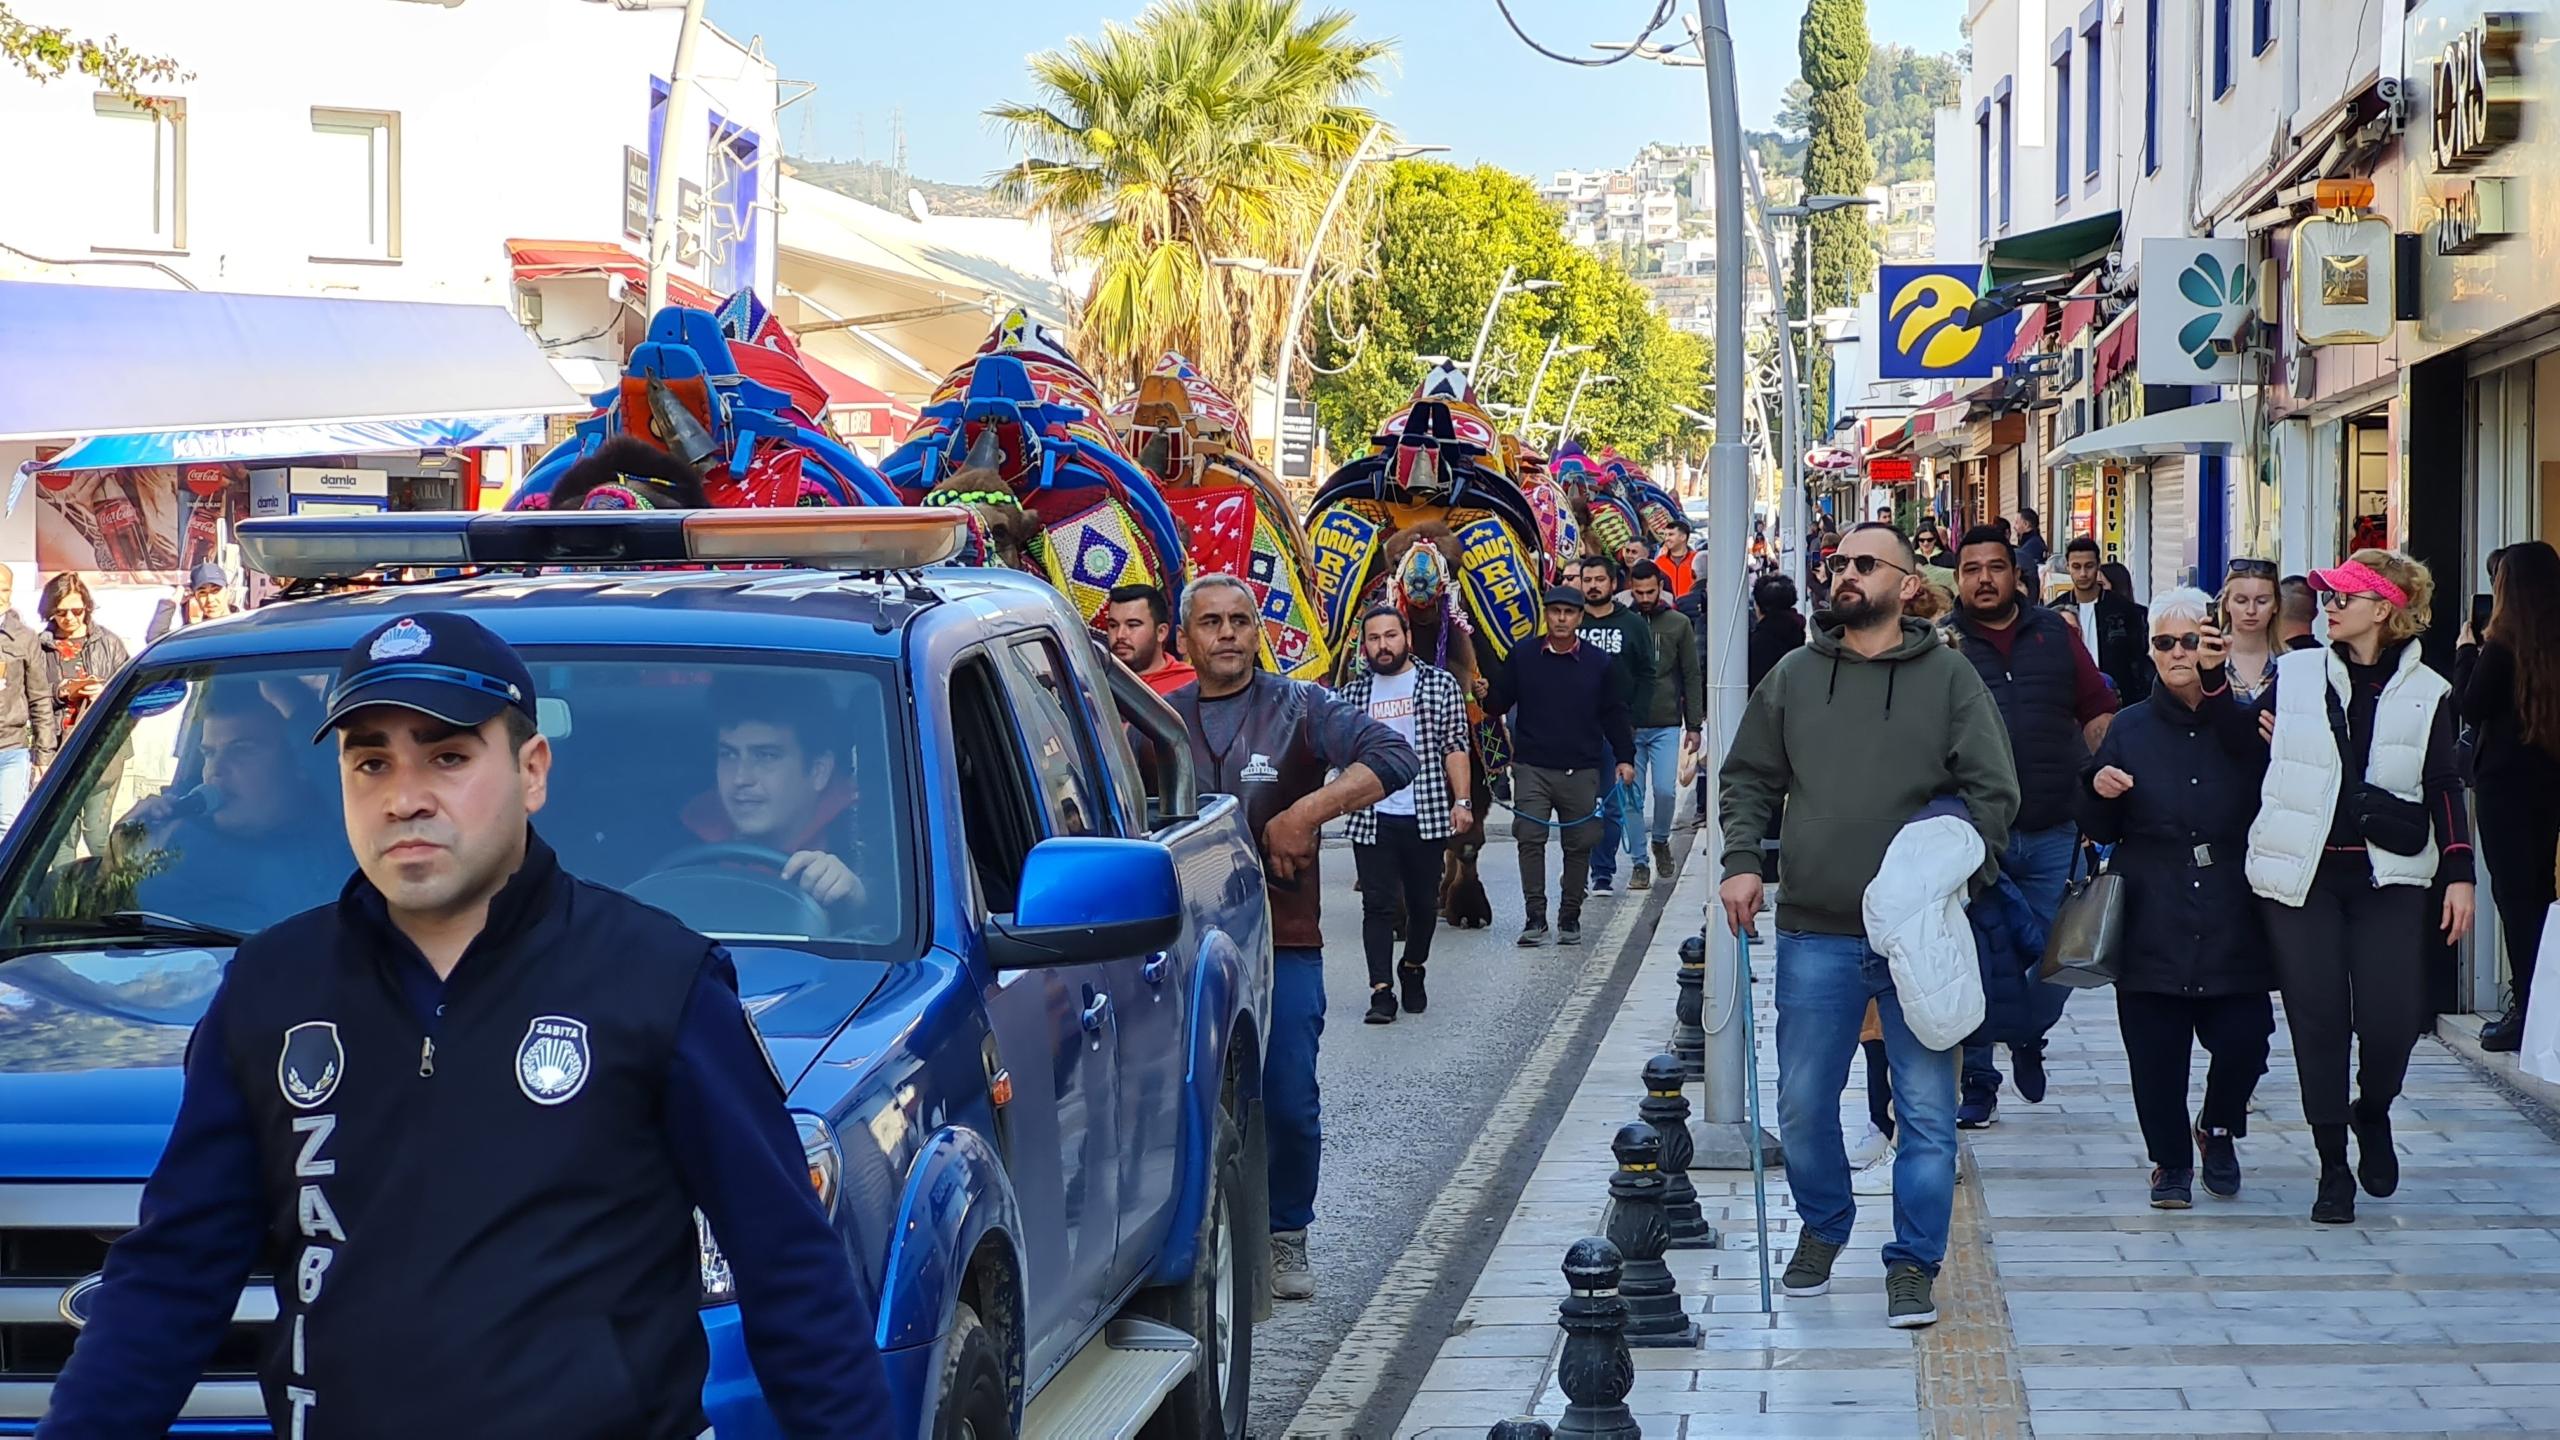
(1398, 842)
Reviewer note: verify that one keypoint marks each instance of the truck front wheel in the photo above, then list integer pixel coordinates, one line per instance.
(973, 1401)
(1215, 1307)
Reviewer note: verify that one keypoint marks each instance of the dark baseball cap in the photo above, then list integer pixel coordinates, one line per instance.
(437, 663)
(207, 574)
(1564, 595)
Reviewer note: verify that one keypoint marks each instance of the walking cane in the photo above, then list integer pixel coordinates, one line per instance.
(1751, 1071)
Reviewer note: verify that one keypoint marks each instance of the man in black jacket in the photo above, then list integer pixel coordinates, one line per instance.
(2113, 629)
(2056, 709)
(1572, 721)
(469, 1114)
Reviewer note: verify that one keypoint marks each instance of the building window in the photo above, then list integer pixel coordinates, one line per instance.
(2262, 25)
(2092, 124)
(2221, 48)
(2008, 152)
(2151, 87)
(2062, 124)
(1982, 175)
(355, 185)
(141, 165)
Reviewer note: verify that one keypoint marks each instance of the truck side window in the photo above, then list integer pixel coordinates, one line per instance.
(1061, 756)
(997, 808)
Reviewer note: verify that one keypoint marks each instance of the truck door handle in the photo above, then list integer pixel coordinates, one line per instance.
(1096, 1010)
(1157, 967)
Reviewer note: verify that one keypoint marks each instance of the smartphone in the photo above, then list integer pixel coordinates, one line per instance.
(2480, 607)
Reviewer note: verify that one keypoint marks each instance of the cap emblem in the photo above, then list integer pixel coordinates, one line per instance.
(401, 641)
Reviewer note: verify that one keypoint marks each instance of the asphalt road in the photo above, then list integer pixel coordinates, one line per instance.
(1403, 1101)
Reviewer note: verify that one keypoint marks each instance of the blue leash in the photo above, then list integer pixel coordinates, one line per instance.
(1617, 800)
(1759, 1165)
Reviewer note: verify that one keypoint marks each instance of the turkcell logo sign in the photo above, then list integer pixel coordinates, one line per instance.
(1922, 325)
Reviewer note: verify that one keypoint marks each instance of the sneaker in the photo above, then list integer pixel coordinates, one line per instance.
(1569, 933)
(1642, 879)
(1416, 998)
(1382, 1006)
(1809, 1269)
(2221, 1163)
(1875, 1142)
(1978, 1113)
(1910, 1300)
(1603, 886)
(2173, 1189)
(2335, 1204)
(1662, 855)
(2504, 1035)
(2026, 1071)
(1292, 1278)
(1534, 933)
(1874, 1176)
(2377, 1164)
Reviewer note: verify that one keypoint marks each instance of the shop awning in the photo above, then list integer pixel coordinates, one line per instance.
(79, 361)
(847, 392)
(2064, 249)
(562, 259)
(252, 443)
(2196, 430)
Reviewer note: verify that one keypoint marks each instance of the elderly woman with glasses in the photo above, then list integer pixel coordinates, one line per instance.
(2361, 814)
(2176, 805)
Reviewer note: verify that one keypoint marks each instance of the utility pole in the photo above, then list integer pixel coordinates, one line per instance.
(672, 133)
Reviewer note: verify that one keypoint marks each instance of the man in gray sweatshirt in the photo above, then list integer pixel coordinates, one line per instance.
(1620, 633)
(1667, 725)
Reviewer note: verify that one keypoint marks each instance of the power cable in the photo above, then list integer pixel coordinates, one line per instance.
(1661, 16)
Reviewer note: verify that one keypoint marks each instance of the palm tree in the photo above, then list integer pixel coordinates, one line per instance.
(1207, 128)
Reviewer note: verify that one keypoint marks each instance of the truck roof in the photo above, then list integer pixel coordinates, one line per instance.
(790, 609)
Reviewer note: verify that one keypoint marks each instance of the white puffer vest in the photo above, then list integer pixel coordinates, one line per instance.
(2300, 794)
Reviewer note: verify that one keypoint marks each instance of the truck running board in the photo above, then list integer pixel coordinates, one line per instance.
(1108, 1391)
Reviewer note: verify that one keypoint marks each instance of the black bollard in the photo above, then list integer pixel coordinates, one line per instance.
(1689, 1036)
(1596, 1372)
(1638, 1228)
(1666, 1109)
(1520, 1427)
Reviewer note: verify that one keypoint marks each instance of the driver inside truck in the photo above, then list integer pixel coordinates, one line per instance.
(782, 781)
(241, 848)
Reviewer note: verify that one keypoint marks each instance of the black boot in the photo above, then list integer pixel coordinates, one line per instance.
(2505, 1035)
(1416, 998)
(1382, 1005)
(2377, 1164)
(2335, 1202)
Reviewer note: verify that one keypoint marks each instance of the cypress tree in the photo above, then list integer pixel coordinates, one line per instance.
(1833, 50)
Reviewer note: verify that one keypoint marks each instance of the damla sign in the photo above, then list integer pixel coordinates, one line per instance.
(2478, 110)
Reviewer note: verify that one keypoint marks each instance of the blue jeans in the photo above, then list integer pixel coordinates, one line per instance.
(1292, 1113)
(2040, 861)
(1824, 984)
(1657, 772)
(1613, 829)
(17, 776)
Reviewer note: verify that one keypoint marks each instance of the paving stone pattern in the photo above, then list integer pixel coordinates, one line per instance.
(2070, 1306)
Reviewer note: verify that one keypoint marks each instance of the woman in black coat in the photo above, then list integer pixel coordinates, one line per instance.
(1776, 628)
(2176, 804)
(2507, 684)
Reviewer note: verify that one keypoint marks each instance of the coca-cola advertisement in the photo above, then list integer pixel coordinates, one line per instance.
(140, 526)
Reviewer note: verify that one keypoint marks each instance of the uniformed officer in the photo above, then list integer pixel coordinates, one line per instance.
(466, 1114)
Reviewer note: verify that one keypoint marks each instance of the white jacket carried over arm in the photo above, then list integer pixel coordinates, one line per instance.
(1915, 919)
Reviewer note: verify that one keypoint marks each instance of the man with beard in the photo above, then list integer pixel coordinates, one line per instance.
(1398, 843)
(1627, 639)
(1666, 726)
(1139, 625)
(1270, 742)
(1853, 735)
(464, 1114)
(2112, 628)
(2056, 707)
(1569, 721)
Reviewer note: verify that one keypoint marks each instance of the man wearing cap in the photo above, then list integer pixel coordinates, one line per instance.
(207, 597)
(239, 846)
(467, 1114)
(1571, 724)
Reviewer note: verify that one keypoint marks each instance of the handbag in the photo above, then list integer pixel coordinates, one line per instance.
(2385, 820)
(2084, 947)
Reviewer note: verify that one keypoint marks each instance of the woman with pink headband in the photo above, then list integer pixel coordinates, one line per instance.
(2360, 815)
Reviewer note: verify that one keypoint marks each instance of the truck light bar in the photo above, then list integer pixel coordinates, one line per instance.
(343, 547)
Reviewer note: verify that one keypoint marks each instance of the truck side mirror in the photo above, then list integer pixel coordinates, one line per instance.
(1085, 899)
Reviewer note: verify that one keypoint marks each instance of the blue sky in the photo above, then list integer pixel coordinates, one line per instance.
(1461, 79)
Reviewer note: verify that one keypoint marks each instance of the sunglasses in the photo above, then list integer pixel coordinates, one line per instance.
(1863, 564)
(2252, 570)
(2166, 643)
(2339, 600)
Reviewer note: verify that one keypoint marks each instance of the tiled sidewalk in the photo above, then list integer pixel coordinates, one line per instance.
(2072, 1307)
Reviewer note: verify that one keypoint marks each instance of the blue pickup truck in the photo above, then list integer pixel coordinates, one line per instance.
(1024, 1055)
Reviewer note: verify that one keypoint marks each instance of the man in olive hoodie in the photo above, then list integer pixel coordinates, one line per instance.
(1853, 735)
(27, 731)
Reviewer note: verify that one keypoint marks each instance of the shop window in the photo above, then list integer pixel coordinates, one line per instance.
(2221, 48)
(2151, 87)
(2092, 84)
(140, 174)
(2008, 151)
(355, 185)
(2262, 25)
(2062, 121)
(2367, 455)
(1982, 175)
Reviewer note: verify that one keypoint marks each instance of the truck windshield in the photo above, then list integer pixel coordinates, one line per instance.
(756, 802)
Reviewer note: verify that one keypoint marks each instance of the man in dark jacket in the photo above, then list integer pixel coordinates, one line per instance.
(1623, 635)
(468, 1115)
(27, 732)
(1569, 724)
(1271, 742)
(2056, 707)
(1666, 726)
(2113, 629)
(1853, 734)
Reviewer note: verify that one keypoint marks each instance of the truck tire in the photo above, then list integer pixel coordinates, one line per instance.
(1214, 1307)
(973, 1404)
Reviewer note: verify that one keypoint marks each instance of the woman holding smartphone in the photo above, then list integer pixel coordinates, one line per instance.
(2507, 684)
(2248, 625)
(2360, 814)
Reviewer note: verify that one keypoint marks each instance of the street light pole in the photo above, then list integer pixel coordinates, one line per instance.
(1485, 330)
(1555, 347)
(1564, 432)
(1794, 511)
(671, 132)
(1305, 286)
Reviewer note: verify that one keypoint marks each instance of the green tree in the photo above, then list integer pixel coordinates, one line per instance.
(1443, 239)
(1207, 128)
(1834, 51)
(49, 52)
(1904, 89)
